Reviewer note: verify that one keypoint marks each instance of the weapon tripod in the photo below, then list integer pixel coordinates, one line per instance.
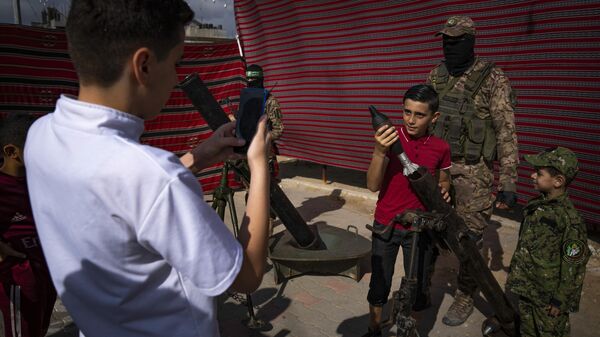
(223, 197)
(404, 298)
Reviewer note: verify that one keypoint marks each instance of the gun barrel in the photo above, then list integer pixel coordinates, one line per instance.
(426, 189)
(215, 116)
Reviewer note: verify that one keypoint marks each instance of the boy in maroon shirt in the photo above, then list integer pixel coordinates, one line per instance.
(396, 196)
(27, 295)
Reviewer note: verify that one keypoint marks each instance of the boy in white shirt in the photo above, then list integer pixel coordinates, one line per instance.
(132, 247)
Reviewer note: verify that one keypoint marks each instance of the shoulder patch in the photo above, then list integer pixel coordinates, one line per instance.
(573, 251)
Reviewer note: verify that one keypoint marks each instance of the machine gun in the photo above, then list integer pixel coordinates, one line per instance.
(455, 235)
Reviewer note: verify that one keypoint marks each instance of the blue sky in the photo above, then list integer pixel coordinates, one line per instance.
(218, 12)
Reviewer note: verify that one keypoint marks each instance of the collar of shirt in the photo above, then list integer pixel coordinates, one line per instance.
(97, 119)
(543, 200)
(408, 138)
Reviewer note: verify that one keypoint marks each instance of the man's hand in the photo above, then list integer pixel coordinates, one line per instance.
(506, 200)
(6, 250)
(385, 136)
(217, 148)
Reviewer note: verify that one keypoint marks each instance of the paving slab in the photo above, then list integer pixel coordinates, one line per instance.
(330, 305)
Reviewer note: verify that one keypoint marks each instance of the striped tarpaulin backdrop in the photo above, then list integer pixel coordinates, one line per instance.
(35, 69)
(328, 60)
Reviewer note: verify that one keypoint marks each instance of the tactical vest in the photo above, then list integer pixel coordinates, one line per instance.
(469, 136)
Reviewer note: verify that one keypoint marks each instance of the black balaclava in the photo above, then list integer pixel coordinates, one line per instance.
(256, 83)
(459, 52)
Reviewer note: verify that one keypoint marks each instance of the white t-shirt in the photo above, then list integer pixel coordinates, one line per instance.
(132, 247)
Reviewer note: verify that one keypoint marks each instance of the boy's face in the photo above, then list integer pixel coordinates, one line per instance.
(543, 181)
(417, 117)
(162, 80)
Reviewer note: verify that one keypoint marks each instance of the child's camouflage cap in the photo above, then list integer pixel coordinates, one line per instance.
(458, 25)
(560, 158)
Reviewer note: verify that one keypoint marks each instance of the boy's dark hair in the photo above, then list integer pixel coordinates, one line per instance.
(13, 128)
(102, 34)
(423, 93)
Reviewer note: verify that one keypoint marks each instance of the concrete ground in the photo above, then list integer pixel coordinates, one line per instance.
(331, 305)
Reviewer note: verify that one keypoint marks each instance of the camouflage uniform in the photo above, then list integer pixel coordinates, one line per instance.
(493, 103)
(473, 182)
(548, 266)
(273, 111)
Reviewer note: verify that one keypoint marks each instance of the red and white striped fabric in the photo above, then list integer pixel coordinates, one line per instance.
(35, 69)
(328, 60)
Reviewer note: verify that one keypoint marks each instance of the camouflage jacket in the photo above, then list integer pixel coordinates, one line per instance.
(273, 111)
(548, 266)
(495, 99)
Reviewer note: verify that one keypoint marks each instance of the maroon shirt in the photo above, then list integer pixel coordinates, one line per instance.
(16, 220)
(396, 194)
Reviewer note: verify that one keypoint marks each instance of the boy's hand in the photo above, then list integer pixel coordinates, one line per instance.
(552, 310)
(6, 250)
(259, 149)
(385, 136)
(218, 147)
(445, 194)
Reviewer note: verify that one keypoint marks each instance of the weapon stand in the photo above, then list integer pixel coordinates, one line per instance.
(223, 197)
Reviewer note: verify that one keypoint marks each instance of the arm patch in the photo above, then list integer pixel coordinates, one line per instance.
(573, 251)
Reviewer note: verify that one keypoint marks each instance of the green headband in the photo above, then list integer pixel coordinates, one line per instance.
(254, 74)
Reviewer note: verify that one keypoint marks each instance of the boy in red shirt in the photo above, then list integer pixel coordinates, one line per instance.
(27, 295)
(396, 196)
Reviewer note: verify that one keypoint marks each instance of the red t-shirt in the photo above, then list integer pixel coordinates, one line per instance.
(396, 194)
(16, 220)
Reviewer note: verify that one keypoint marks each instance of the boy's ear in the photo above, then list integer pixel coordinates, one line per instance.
(10, 151)
(559, 181)
(140, 63)
(436, 115)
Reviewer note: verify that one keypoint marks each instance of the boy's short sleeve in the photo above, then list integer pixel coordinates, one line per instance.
(189, 235)
(445, 160)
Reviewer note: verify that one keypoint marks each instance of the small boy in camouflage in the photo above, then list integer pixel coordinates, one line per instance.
(548, 266)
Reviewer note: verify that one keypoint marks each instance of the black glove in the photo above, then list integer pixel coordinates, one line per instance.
(507, 198)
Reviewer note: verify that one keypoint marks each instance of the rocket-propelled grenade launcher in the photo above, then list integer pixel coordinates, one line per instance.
(455, 233)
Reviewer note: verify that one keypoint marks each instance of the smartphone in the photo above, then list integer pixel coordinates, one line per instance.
(252, 107)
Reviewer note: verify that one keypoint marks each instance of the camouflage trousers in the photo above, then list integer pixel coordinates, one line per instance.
(473, 201)
(535, 321)
(473, 193)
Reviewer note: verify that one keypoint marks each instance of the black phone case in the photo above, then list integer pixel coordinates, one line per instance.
(252, 107)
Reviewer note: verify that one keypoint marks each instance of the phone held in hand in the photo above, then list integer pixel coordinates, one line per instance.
(252, 107)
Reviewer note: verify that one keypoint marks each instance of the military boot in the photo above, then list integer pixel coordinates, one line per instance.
(460, 310)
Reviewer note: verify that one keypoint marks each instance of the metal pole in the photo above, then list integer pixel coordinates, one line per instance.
(17, 11)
